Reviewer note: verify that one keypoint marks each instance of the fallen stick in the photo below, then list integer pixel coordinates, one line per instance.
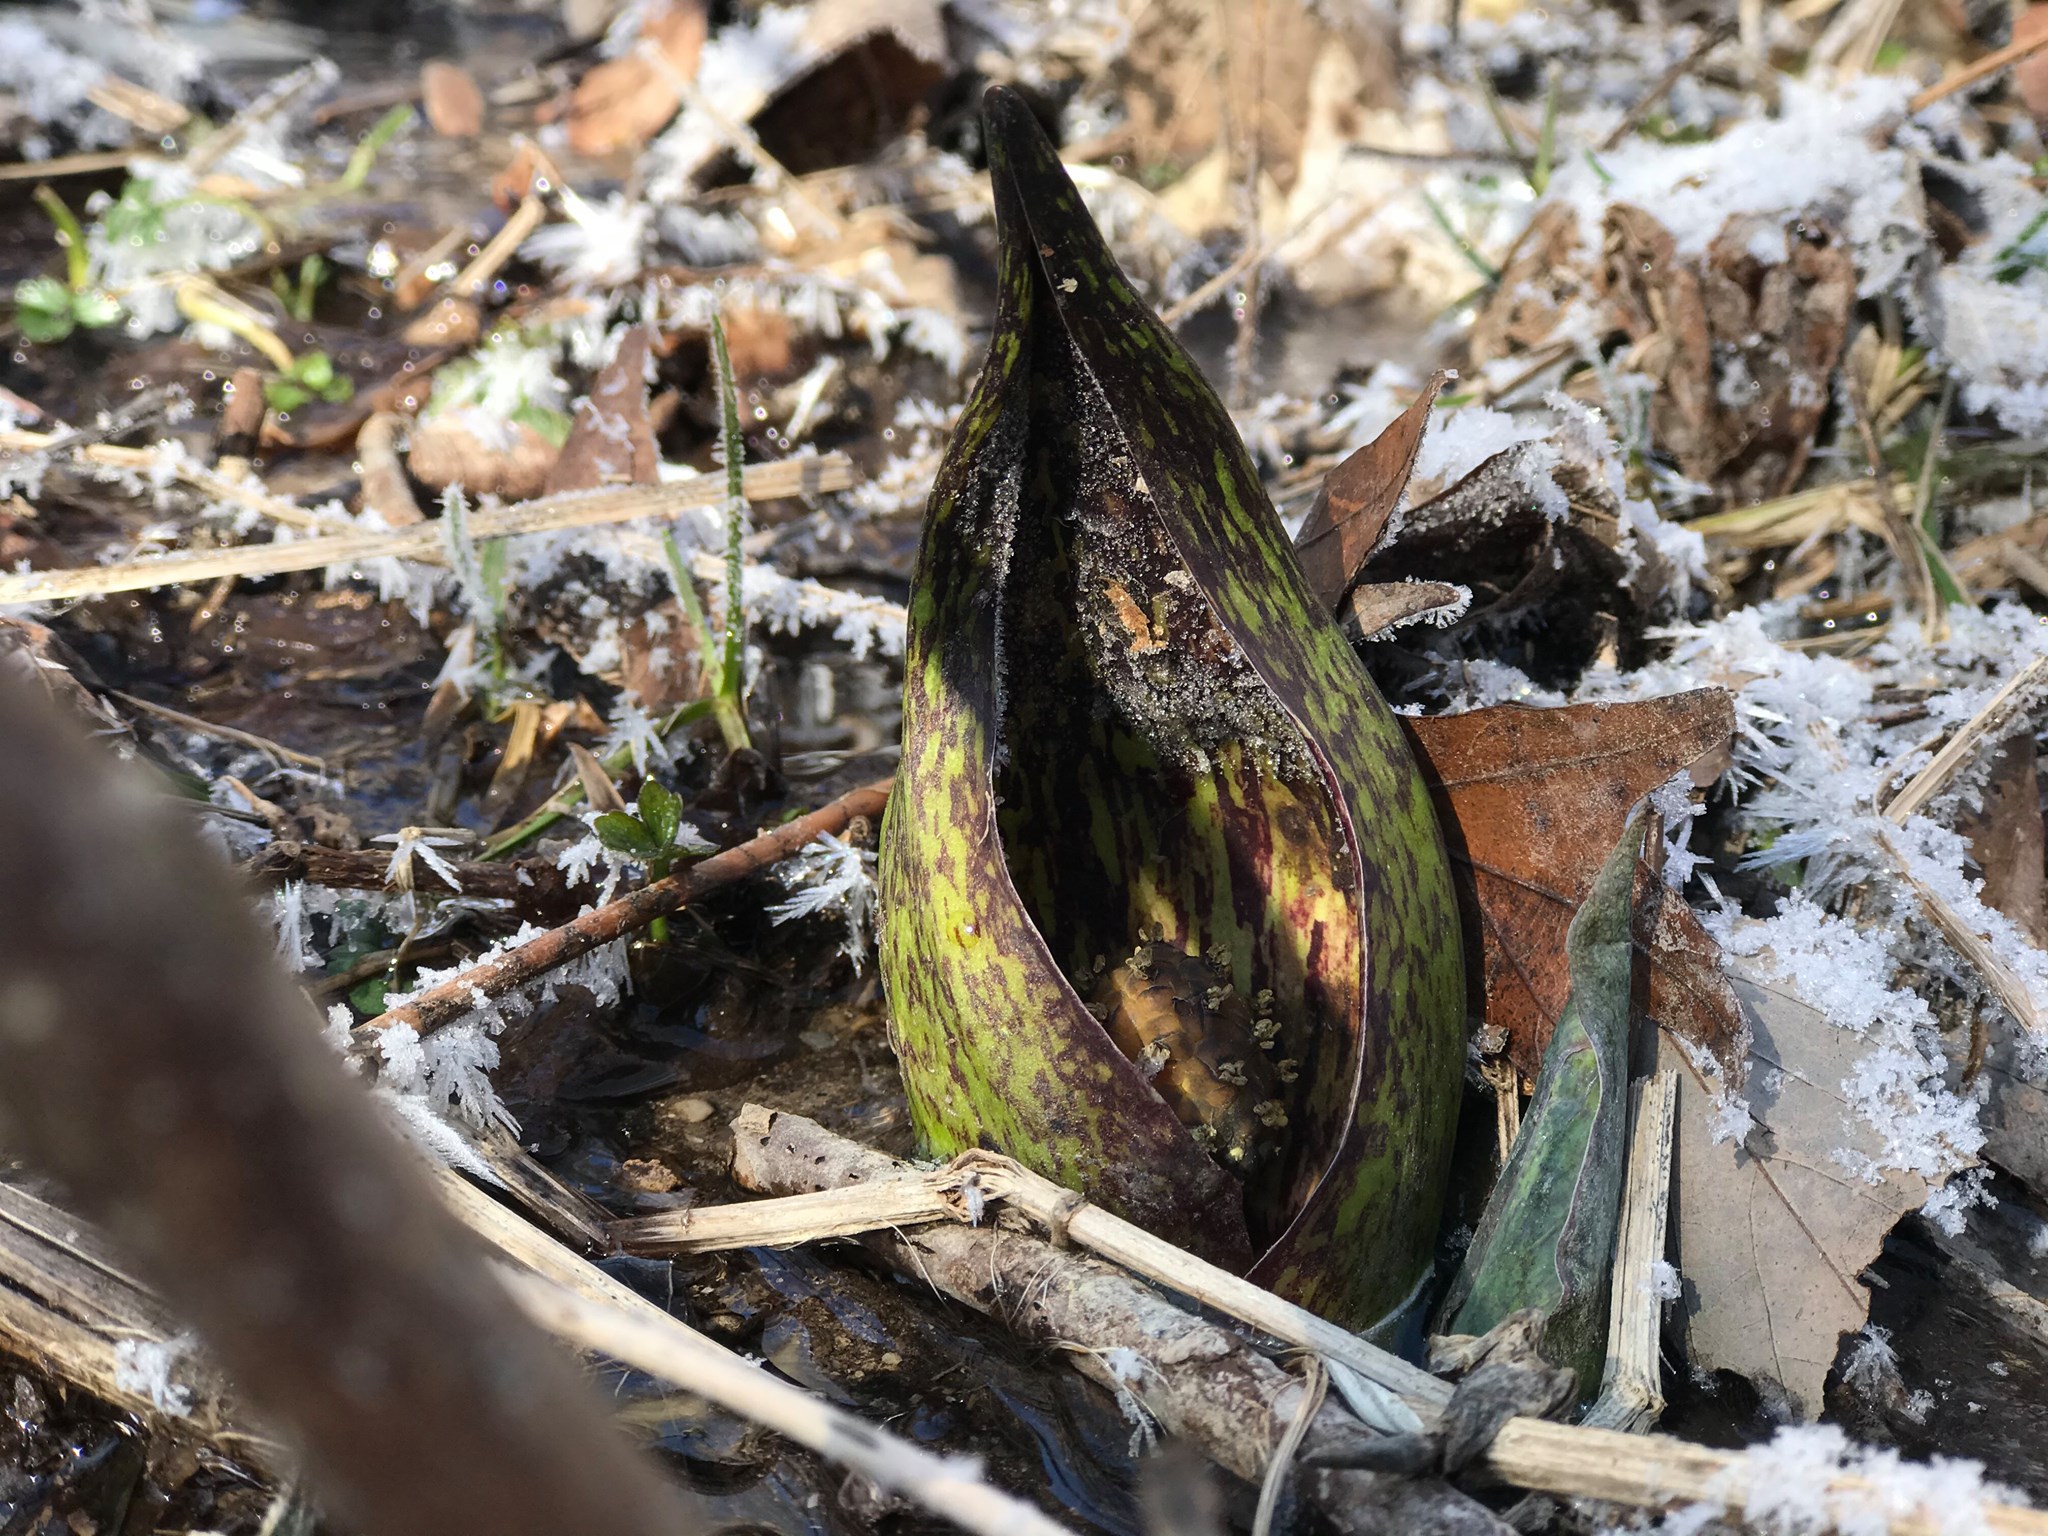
(1970, 74)
(1050, 1295)
(248, 493)
(1198, 1379)
(912, 1198)
(154, 1057)
(629, 914)
(582, 1305)
(1631, 1386)
(426, 541)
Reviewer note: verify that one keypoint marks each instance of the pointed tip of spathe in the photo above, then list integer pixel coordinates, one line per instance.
(1011, 129)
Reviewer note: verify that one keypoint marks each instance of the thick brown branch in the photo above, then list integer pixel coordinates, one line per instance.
(629, 914)
(154, 1057)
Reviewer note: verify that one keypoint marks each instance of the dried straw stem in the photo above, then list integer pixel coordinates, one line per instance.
(1990, 721)
(629, 914)
(1196, 1381)
(423, 541)
(1631, 1385)
(1970, 74)
(67, 1304)
(582, 1305)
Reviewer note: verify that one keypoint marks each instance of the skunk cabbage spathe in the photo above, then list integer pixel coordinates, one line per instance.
(1167, 914)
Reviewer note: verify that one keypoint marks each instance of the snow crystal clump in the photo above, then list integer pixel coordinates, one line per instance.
(1896, 1089)
(1460, 441)
(830, 875)
(1816, 158)
(1789, 1487)
(143, 1367)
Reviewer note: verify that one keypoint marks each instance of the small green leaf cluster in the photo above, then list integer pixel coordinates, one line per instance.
(312, 375)
(48, 311)
(650, 836)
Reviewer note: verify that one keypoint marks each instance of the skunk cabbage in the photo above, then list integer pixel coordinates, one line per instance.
(1167, 914)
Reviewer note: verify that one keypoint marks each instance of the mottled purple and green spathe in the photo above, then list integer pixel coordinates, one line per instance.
(1126, 715)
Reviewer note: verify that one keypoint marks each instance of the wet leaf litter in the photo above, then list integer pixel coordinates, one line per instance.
(1312, 822)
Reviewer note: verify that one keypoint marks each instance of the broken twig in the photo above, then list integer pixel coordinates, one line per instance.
(629, 914)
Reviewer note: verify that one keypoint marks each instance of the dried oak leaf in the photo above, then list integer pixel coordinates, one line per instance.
(1743, 346)
(1539, 282)
(1357, 498)
(611, 441)
(1531, 802)
(871, 65)
(624, 102)
(1771, 1232)
(453, 104)
(446, 452)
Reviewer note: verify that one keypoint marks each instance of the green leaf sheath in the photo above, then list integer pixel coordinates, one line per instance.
(1125, 715)
(1546, 1239)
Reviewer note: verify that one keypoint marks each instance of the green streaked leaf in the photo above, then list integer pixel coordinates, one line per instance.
(626, 834)
(1546, 1239)
(1142, 769)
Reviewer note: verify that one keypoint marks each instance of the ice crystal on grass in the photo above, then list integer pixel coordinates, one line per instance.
(831, 876)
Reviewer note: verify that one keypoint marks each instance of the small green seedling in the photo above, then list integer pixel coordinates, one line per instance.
(298, 298)
(728, 697)
(48, 310)
(311, 376)
(656, 837)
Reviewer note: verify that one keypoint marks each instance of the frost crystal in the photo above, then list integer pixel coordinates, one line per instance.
(830, 875)
(1789, 1487)
(143, 1367)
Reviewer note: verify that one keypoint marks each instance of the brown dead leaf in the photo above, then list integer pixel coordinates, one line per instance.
(451, 100)
(2007, 839)
(877, 62)
(1539, 282)
(624, 102)
(1261, 57)
(445, 452)
(452, 322)
(611, 441)
(385, 488)
(1532, 801)
(1770, 1234)
(758, 342)
(1744, 348)
(1378, 608)
(1355, 500)
(661, 659)
(598, 789)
